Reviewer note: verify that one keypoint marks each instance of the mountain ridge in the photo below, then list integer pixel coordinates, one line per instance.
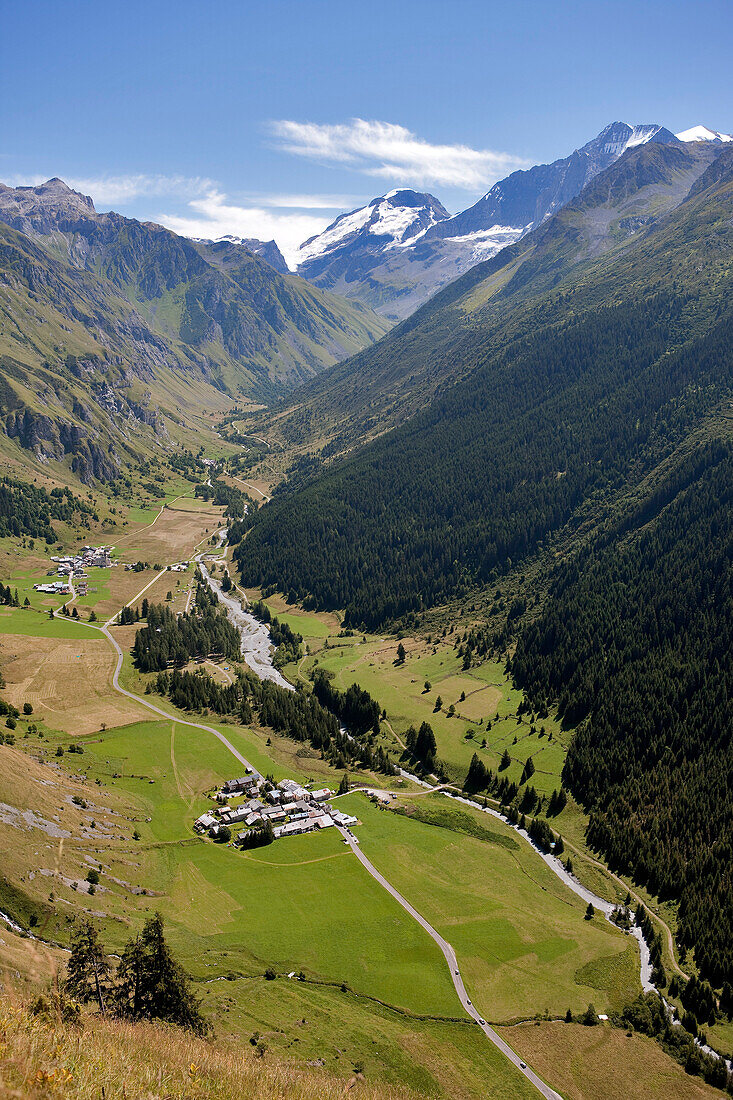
(157, 319)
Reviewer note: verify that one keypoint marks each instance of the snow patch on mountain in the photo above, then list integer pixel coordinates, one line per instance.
(487, 242)
(639, 135)
(335, 235)
(391, 221)
(703, 133)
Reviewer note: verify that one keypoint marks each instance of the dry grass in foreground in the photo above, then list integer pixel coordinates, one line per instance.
(115, 1060)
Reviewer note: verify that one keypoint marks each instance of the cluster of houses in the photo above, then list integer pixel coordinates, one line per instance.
(290, 808)
(68, 566)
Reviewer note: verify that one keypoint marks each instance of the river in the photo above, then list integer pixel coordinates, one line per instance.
(257, 648)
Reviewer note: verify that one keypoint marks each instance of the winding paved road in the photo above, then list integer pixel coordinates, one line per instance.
(164, 714)
(447, 950)
(450, 957)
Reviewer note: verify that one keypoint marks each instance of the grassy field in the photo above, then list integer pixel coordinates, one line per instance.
(25, 621)
(276, 907)
(520, 935)
(233, 914)
(66, 681)
(122, 1061)
(341, 1029)
(604, 1063)
(484, 721)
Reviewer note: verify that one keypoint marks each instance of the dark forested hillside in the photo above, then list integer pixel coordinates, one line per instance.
(636, 640)
(596, 383)
(589, 429)
(499, 464)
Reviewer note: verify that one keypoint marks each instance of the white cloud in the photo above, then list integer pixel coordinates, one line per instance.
(393, 152)
(312, 202)
(112, 190)
(212, 216)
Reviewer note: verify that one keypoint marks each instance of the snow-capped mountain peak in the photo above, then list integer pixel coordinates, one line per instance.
(388, 221)
(620, 136)
(703, 133)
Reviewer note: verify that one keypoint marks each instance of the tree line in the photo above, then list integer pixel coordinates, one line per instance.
(295, 714)
(288, 644)
(168, 639)
(635, 644)
(355, 706)
(27, 509)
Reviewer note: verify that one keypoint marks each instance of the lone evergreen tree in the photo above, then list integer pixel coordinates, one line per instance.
(527, 770)
(590, 911)
(401, 654)
(153, 985)
(87, 971)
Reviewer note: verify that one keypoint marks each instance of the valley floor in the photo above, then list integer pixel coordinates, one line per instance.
(374, 994)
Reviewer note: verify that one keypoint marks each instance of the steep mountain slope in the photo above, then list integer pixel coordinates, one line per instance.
(397, 276)
(704, 133)
(579, 373)
(524, 199)
(377, 236)
(635, 639)
(267, 250)
(106, 322)
(591, 436)
(386, 384)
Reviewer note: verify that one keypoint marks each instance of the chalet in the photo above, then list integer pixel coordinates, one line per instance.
(273, 813)
(320, 796)
(233, 816)
(293, 828)
(233, 786)
(204, 823)
(343, 819)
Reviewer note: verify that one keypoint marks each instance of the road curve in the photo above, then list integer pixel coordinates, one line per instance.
(164, 714)
(450, 957)
(446, 948)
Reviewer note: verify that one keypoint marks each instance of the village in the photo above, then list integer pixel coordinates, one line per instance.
(287, 807)
(74, 567)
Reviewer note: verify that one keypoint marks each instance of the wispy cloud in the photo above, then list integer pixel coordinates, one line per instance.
(393, 152)
(213, 215)
(311, 202)
(118, 190)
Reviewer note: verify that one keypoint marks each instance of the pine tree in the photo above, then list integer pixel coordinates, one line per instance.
(153, 985)
(527, 770)
(87, 971)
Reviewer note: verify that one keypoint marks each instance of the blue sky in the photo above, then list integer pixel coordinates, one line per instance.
(268, 118)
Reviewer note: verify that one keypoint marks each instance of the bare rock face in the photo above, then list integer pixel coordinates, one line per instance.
(50, 207)
(395, 271)
(102, 303)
